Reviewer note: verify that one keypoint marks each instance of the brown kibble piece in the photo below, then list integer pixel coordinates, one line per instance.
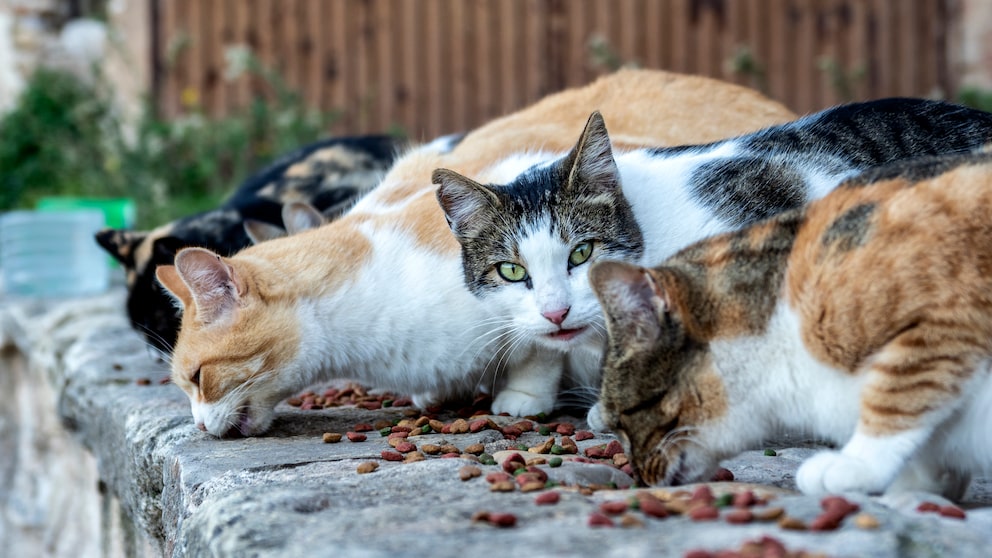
(331, 437)
(866, 521)
(413, 457)
(498, 476)
(791, 523)
(503, 519)
(768, 514)
(367, 467)
(503, 486)
(459, 426)
(430, 449)
(723, 475)
(545, 447)
(436, 425)
(475, 449)
(652, 506)
(628, 520)
(143, 382)
(469, 472)
(568, 445)
(477, 425)
(531, 486)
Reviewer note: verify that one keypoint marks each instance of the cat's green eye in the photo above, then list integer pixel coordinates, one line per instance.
(580, 254)
(512, 272)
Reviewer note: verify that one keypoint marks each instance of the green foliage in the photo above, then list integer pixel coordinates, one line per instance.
(975, 97)
(65, 137)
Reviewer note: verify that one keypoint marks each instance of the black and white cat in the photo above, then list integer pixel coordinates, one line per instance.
(527, 243)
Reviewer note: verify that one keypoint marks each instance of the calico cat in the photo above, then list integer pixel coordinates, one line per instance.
(526, 244)
(329, 174)
(377, 295)
(864, 319)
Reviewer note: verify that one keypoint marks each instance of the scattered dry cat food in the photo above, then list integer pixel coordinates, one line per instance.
(704, 512)
(475, 449)
(723, 475)
(356, 436)
(405, 447)
(597, 519)
(651, 506)
(629, 520)
(391, 455)
(791, 523)
(765, 546)
(502, 519)
(503, 486)
(616, 507)
(469, 472)
(583, 435)
(332, 437)
(952, 511)
(547, 498)
(835, 509)
(367, 467)
(362, 427)
(143, 382)
(738, 516)
(866, 521)
(768, 514)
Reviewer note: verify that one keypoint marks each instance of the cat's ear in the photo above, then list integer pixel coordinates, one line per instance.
(462, 198)
(169, 278)
(632, 301)
(260, 231)
(121, 244)
(300, 216)
(590, 164)
(213, 285)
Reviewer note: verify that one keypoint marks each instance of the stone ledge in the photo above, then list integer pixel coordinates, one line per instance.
(71, 377)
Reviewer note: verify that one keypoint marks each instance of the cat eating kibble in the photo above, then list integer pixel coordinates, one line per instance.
(864, 318)
(377, 294)
(529, 236)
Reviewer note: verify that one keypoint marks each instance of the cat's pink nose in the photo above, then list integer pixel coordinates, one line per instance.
(556, 316)
(201, 426)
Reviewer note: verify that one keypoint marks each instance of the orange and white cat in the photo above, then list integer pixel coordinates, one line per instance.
(377, 295)
(864, 319)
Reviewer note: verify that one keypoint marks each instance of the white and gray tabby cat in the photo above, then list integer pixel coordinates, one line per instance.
(527, 244)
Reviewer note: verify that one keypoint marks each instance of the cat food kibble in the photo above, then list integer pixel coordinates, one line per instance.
(391, 455)
(613, 508)
(738, 516)
(469, 472)
(583, 435)
(952, 511)
(367, 467)
(866, 521)
(597, 519)
(356, 436)
(331, 437)
(547, 498)
(704, 513)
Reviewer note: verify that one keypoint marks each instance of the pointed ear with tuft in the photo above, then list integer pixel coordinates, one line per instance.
(590, 164)
(632, 302)
(213, 285)
(462, 199)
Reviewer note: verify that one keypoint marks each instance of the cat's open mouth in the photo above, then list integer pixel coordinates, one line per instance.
(566, 334)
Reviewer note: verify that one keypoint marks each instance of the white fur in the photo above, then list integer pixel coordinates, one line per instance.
(775, 385)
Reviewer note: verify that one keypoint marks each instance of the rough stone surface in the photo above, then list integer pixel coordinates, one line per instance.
(78, 417)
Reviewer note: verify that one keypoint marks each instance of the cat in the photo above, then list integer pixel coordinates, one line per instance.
(329, 174)
(527, 243)
(864, 319)
(376, 295)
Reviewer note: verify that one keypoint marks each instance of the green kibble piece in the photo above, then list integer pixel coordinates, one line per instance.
(557, 450)
(724, 500)
(520, 471)
(544, 430)
(633, 503)
(387, 403)
(425, 429)
(385, 431)
(487, 459)
(522, 447)
(551, 484)
(396, 421)
(554, 461)
(542, 417)
(771, 453)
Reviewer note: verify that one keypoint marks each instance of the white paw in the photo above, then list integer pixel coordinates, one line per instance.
(595, 419)
(831, 472)
(424, 400)
(520, 404)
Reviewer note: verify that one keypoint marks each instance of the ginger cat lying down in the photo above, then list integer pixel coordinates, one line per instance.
(378, 295)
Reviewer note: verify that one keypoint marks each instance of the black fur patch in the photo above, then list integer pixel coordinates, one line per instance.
(743, 190)
(851, 229)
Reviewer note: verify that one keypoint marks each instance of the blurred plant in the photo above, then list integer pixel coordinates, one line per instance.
(975, 97)
(844, 82)
(65, 137)
(603, 55)
(743, 62)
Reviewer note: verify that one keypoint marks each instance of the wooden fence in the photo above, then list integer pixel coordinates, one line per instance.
(429, 67)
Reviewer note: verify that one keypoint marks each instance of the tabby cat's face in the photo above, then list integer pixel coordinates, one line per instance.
(527, 245)
(660, 394)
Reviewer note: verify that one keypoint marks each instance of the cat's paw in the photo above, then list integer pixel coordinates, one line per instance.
(425, 399)
(520, 404)
(595, 419)
(831, 472)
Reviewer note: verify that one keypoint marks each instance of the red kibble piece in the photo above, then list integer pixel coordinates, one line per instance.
(405, 447)
(528, 478)
(503, 519)
(704, 513)
(951, 511)
(356, 437)
(825, 522)
(703, 494)
(698, 553)
(498, 476)
(613, 448)
(739, 516)
(513, 462)
(744, 499)
(599, 520)
(400, 429)
(393, 435)
(927, 507)
(547, 498)
(539, 472)
(402, 402)
(723, 475)
(583, 435)
(446, 429)
(565, 429)
(477, 425)
(306, 406)
(511, 432)
(839, 505)
(371, 405)
(613, 508)
(524, 425)
(652, 506)
(143, 382)
(165, 380)
(597, 452)
(363, 427)
(450, 455)
(627, 469)
(389, 455)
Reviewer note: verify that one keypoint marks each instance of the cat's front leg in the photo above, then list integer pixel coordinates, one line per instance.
(866, 464)
(531, 384)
